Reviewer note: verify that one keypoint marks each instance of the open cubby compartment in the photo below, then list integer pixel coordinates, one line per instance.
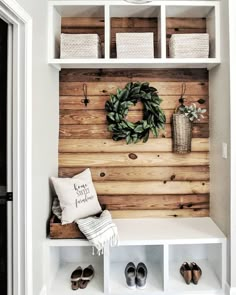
(74, 19)
(135, 19)
(209, 257)
(195, 18)
(61, 262)
(151, 255)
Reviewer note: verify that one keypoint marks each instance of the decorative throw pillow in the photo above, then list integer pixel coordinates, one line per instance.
(77, 196)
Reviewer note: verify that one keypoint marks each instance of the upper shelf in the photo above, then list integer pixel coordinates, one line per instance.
(106, 18)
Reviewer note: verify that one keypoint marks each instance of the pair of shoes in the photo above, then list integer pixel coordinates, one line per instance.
(80, 278)
(136, 277)
(190, 272)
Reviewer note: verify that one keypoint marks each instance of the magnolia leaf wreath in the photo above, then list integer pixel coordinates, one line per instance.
(117, 108)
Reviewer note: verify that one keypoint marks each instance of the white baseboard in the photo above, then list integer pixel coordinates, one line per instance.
(229, 290)
(43, 291)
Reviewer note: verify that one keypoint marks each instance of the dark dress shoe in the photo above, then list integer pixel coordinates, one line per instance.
(141, 275)
(76, 277)
(196, 273)
(186, 272)
(130, 275)
(88, 274)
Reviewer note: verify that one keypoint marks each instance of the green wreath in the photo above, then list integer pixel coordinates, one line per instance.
(118, 107)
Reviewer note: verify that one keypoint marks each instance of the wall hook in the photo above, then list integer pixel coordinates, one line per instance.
(181, 100)
(85, 100)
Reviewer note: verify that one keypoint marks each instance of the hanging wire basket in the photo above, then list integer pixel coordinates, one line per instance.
(182, 134)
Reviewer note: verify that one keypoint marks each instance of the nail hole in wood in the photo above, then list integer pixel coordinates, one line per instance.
(158, 156)
(102, 174)
(203, 183)
(133, 156)
(164, 181)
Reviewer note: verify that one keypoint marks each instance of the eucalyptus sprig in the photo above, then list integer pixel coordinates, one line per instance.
(118, 107)
(192, 112)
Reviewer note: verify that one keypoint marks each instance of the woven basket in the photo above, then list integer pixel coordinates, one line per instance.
(134, 45)
(182, 134)
(189, 46)
(80, 46)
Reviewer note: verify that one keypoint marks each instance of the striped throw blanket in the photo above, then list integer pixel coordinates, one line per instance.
(99, 230)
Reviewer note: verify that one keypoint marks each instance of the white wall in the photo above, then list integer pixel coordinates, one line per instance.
(45, 132)
(220, 132)
(232, 19)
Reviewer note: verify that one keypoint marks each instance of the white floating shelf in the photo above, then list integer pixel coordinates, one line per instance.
(157, 63)
(161, 10)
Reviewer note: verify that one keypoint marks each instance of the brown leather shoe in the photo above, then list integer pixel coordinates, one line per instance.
(186, 272)
(196, 273)
(87, 276)
(76, 277)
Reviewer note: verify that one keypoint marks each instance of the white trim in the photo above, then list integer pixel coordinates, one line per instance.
(14, 14)
(9, 159)
(229, 290)
(43, 291)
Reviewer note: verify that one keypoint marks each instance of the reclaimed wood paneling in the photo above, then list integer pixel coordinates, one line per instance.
(100, 131)
(97, 102)
(120, 75)
(109, 145)
(98, 117)
(199, 212)
(107, 88)
(145, 179)
(155, 202)
(134, 159)
(180, 173)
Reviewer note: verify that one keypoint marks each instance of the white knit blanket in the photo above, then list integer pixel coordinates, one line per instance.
(99, 230)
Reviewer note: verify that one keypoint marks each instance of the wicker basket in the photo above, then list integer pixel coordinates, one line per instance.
(182, 134)
(189, 46)
(80, 46)
(134, 45)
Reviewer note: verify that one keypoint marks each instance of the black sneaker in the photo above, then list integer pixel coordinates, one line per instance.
(130, 275)
(141, 276)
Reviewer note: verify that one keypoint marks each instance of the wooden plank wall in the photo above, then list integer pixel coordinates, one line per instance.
(138, 180)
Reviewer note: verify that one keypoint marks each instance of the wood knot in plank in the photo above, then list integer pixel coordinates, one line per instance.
(172, 177)
(133, 156)
(102, 174)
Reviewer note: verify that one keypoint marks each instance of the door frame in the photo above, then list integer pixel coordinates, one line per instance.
(14, 14)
